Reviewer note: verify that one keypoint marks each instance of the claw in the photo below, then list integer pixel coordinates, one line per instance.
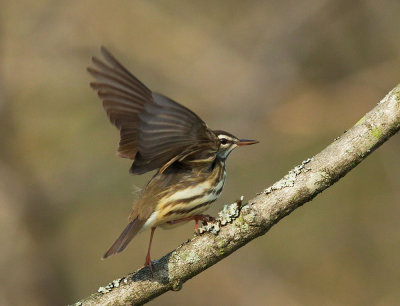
(204, 220)
(149, 263)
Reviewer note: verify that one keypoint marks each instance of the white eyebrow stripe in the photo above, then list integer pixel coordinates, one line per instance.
(226, 137)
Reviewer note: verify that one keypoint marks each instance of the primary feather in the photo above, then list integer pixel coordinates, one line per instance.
(153, 128)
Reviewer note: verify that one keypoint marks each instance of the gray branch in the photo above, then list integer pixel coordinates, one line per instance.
(239, 224)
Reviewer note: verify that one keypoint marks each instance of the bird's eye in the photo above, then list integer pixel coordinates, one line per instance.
(223, 141)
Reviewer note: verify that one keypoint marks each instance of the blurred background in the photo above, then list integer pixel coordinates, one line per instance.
(292, 74)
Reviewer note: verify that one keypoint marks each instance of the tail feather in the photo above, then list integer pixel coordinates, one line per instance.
(126, 236)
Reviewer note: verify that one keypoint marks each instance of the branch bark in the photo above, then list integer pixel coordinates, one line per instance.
(240, 224)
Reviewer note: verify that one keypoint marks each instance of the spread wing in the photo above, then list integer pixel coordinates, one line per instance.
(155, 131)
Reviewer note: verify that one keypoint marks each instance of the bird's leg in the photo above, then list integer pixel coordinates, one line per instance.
(196, 226)
(196, 218)
(204, 219)
(148, 259)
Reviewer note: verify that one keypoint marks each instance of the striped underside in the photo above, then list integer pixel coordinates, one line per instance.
(192, 200)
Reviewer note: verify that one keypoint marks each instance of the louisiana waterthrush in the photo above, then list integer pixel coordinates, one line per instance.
(163, 135)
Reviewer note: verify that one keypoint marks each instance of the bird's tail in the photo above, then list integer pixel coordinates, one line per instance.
(126, 236)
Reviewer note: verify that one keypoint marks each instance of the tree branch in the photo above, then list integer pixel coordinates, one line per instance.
(239, 225)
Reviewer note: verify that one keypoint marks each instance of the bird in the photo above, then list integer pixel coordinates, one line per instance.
(160, 134)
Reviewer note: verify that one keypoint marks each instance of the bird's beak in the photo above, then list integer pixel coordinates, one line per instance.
(246, 142)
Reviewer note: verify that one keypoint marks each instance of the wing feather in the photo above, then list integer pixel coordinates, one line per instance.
(155, 131)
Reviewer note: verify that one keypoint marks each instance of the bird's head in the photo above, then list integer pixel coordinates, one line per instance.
(227, 142)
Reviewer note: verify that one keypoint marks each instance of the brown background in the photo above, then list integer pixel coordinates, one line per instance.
(292, 74)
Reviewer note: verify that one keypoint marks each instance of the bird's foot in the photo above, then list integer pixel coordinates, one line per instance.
(204, 219)
(149, 264)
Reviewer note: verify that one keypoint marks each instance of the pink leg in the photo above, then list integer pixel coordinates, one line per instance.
(148, 259)
(196, 218)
